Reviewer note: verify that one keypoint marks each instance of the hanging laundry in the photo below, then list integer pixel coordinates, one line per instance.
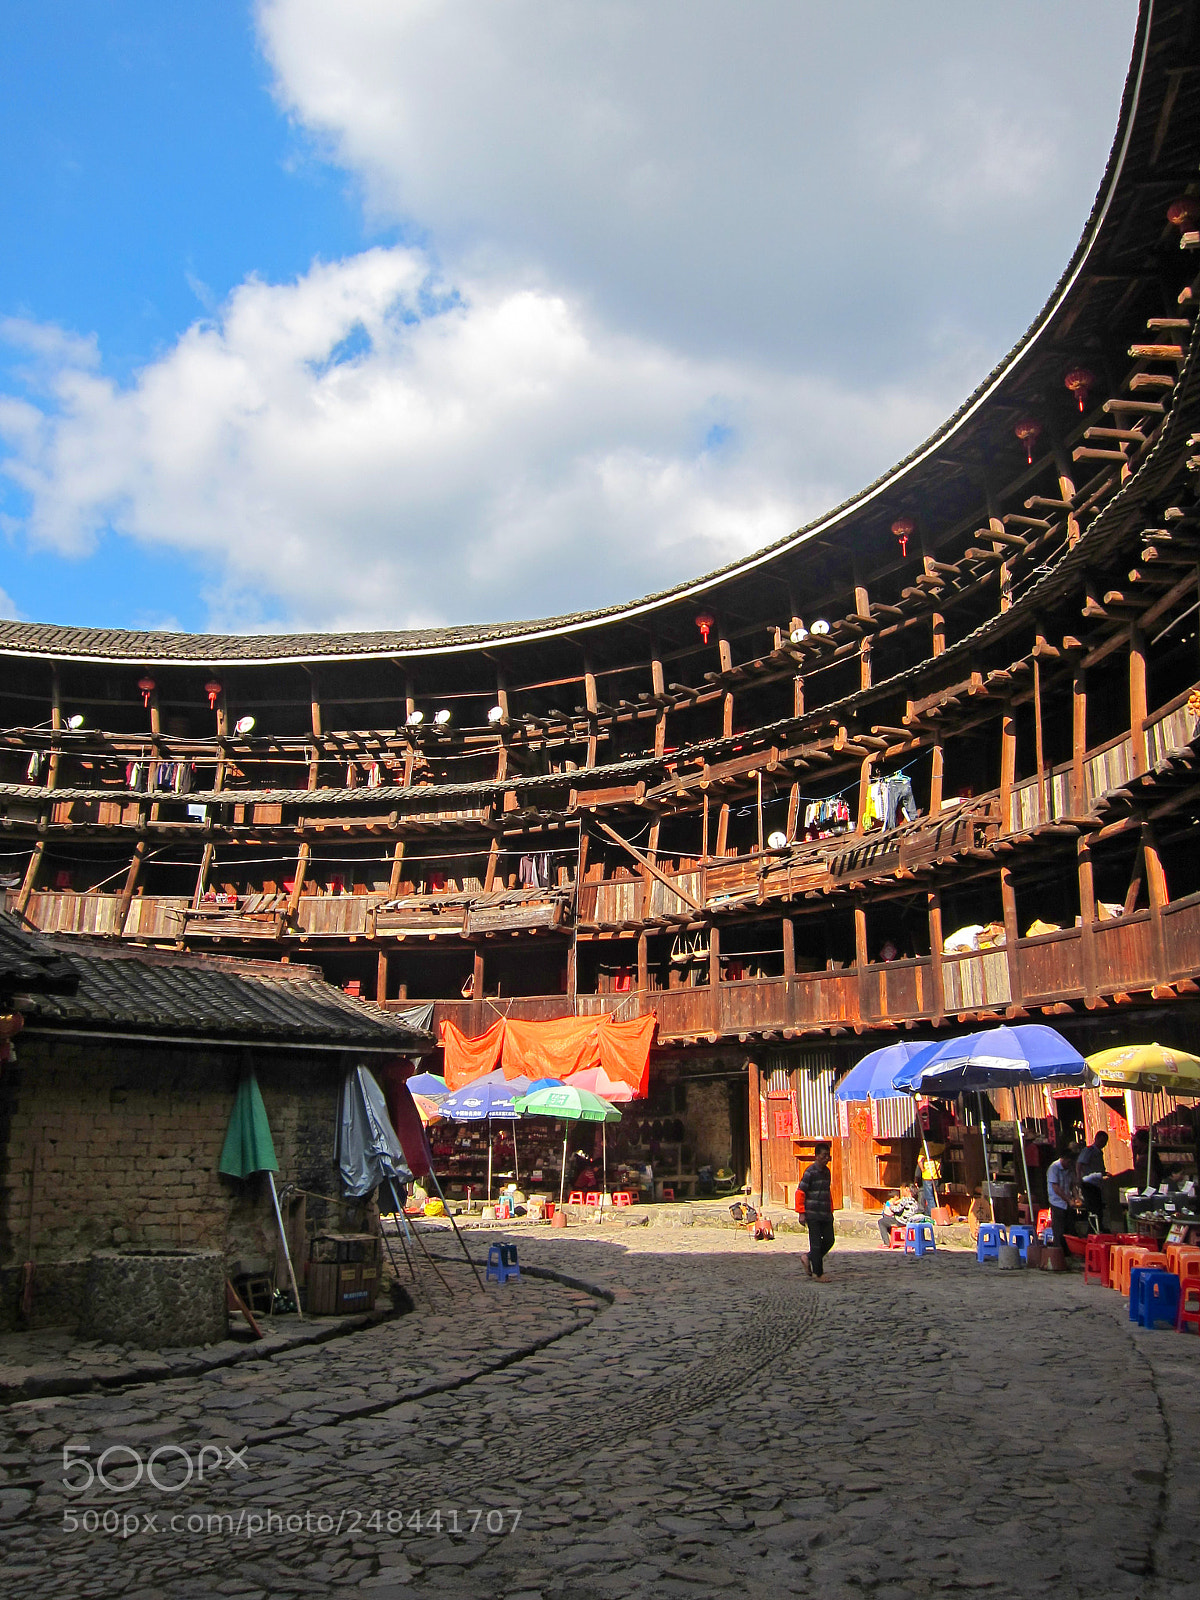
(374, 775)
(34, 768)
(351, 775)
(135, 775)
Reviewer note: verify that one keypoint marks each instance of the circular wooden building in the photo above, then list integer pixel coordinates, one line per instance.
(927, 761)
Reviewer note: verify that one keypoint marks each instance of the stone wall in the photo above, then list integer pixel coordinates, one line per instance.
(116, 1145)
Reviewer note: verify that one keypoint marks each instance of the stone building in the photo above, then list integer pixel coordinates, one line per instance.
(115, 1104)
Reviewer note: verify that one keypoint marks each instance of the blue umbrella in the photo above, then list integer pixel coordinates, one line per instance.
(995, 1058)
(873, 1077)
(430, 1085)
(482, 1101)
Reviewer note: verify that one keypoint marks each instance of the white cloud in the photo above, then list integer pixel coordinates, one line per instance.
(372, 446)
(687, 274)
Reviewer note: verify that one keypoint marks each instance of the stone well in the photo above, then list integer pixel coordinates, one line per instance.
(152, 1298)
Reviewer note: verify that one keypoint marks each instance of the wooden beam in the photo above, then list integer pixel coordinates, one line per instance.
(397, 869)
(644, 861)
(1087, 914)
(381, 978)
(1078, 738)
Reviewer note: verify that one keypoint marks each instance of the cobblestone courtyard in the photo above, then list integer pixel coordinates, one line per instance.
(691, 1416)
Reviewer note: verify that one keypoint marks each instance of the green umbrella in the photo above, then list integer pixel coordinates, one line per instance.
(572, 1105)
(248, 1145)
(248, 1149)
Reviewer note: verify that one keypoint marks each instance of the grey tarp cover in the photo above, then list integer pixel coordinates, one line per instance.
(368, 1150)
(418, 1017)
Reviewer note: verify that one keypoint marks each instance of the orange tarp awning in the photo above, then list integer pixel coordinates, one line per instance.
(552, 1049)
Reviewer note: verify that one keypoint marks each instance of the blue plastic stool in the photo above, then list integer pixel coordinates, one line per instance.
(502, 1263)
(1157, 1295)
(991, 1237)
(919, 1239)
(1022, 1237)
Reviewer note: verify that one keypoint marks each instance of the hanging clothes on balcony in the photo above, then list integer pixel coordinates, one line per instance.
(374, 775)
(135, 775)
(34, 768)
(184, 773)
(899, 802)
(823, 817)
(534, 871)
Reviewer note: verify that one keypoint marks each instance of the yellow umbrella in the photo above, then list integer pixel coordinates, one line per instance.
(1150, 1068)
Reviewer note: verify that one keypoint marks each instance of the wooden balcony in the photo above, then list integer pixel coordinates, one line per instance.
(1049, 973)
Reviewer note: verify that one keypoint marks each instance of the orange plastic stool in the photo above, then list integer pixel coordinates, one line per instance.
(1187, 1260)
(1132, 1256)
(1189, 1314)
(1044, 1221)
(622, 1197)
(594, 1199)
(575, 1198)
(1095, 1260)
(1155, 1261)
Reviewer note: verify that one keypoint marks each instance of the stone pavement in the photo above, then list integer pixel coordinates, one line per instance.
(719, 1426)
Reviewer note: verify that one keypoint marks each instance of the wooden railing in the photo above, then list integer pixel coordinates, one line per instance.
(1049, 968)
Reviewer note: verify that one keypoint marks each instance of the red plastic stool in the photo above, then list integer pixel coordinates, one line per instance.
(622, 1197)
(896, 1239)
(1045, 1222)
(1095, 1259)
(668, 1193)
(593, 1199)
(575, 1198)
(1189, 1313)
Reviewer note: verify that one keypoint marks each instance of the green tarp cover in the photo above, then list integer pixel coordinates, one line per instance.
(248, 1144)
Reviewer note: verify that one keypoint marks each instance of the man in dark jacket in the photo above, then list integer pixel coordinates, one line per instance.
(818, 1212)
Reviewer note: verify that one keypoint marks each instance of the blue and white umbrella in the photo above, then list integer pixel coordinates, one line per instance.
(996, 1058)
(874, 1076)
(487, 1100)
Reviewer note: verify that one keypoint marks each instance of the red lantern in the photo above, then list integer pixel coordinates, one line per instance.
(1027, 431)
(1079, 380)
(904, 528)
(706, 624)
(146, 685)
(1184, 213)
(213, 690)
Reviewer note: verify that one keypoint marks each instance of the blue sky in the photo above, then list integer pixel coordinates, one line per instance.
(376, 313)
(146, 171)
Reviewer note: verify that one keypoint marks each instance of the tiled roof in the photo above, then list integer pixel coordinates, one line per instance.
(164, 993)
(30, 963)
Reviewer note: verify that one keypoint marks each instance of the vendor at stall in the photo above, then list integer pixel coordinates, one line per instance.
(1060, 1185)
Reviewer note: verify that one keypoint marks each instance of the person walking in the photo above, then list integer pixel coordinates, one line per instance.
(818, 1211)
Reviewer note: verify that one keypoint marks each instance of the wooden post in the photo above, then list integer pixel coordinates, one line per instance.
(381, 978)
(722, 830)
(1066, 490)
(1087, 915)
(592, 701)
(861, 959)
(397, 869)
(789, 948)
(862, 606)
(1078, 739)
(726, 656)
(936, 776)
(1008, 901)
(714, 976)
(1045, 810)
(1008, 766)
(302, 856)
(938, 1008)
(658, 684)
(643, 963)
(647, 875)
(477, 979)
(793, 814)
(754, 1120)
(1156, 894)
(1137, 697)
(489, 876)
(131, 878)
